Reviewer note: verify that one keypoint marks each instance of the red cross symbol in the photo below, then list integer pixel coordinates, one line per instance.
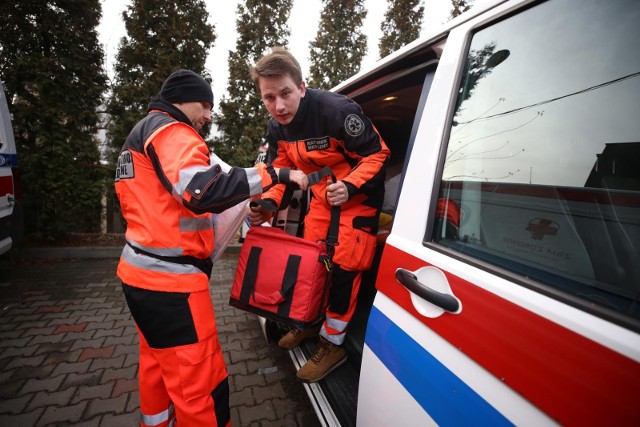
(541, 227)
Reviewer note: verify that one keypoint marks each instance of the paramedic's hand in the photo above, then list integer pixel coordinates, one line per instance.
(300, 178)
(337, 193)
(288, 176)
(258, 215)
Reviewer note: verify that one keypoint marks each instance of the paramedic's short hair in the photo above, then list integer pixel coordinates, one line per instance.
(278, 62)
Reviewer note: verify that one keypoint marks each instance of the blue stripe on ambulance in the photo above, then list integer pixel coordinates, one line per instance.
(444, 396)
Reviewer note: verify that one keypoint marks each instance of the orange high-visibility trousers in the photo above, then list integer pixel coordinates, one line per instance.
(182, 377)
(353, 255)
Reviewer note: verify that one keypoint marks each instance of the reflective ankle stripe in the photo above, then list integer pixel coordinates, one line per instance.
(159, 418)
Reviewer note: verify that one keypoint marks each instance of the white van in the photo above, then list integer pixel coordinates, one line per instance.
(508, 291)
(10, 212)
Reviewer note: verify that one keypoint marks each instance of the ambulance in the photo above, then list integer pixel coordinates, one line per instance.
(10, 211)
(508, 289)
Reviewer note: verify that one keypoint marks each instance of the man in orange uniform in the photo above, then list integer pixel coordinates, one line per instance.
(167, 189)
(308, 130)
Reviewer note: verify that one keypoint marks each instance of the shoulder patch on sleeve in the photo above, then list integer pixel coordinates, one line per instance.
(354, 125)
(125, 166)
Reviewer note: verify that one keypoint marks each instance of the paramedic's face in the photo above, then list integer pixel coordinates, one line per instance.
(281, 96)
(199, 113)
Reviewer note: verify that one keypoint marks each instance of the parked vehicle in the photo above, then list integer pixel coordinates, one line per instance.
(508, 289)
(10, 210)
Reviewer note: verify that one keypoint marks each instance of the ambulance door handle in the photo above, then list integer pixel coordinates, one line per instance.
(410, 281)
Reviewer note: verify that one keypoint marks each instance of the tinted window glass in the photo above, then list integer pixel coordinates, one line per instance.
(542, 171)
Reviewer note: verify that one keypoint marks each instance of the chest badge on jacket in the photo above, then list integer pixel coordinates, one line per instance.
(315, 144)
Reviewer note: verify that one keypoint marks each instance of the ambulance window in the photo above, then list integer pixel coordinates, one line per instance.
(541, 175)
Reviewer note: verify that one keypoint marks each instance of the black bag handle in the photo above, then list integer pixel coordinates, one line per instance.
(334, 223)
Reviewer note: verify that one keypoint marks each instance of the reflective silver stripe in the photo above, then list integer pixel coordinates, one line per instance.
(255, 181)
(186, 175)
(159, 418)
(196, 224)
(158, 251)
(154, 264)
(336, 339)
(336, 324)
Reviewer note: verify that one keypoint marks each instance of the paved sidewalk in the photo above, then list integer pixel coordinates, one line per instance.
(68, 348)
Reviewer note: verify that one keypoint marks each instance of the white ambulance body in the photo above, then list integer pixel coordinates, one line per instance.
(10, 213)
(508, 291)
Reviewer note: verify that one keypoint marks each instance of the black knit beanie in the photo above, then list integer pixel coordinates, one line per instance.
(186, 86)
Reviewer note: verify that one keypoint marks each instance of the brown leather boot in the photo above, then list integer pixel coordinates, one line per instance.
(327, 358)
(294, 337)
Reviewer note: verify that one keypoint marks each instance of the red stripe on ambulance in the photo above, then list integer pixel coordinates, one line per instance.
(575, 380)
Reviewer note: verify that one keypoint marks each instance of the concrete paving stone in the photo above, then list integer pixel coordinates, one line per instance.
(34, 385)
(124, 316)
(38, 331)
(19, 351)
(11, 389)
(21, 420)
(43, 399)
(93, 353)
(72, 368)
(83, 379)
(235, 416)
(124, 386)
(230, 329)
(40, 297)
(133, 405)
(15, 405)
(55, 315)
(252, 414)
(95, 318)
(237, 369)
(46, 308)
(242, 397)
(130, 419)
(269, 392)
(24, 318)
(41, 339)
(38, 372)
(249, 380)
(17, 342)
(78, 336)
(57, 347)
(122, 345)
(113, 310)
(112, 332)
(92, 300)
(96, 422)
(99, 391)
(77, 310)
(65, 327)
(117, 374)
(68, 320)
(20, 362)
(131, 360)
(110, 363)
(107, 324)
(67, 414)
(127, 323)
(20, 326)
(107, 406)
(55, 358)
(94, 343)
(5, 376)
(120, 342)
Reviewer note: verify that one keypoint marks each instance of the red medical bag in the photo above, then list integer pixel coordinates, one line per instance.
(282, 277)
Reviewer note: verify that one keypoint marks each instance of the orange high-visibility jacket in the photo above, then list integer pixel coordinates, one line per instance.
(167, 190)
(330, 129)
